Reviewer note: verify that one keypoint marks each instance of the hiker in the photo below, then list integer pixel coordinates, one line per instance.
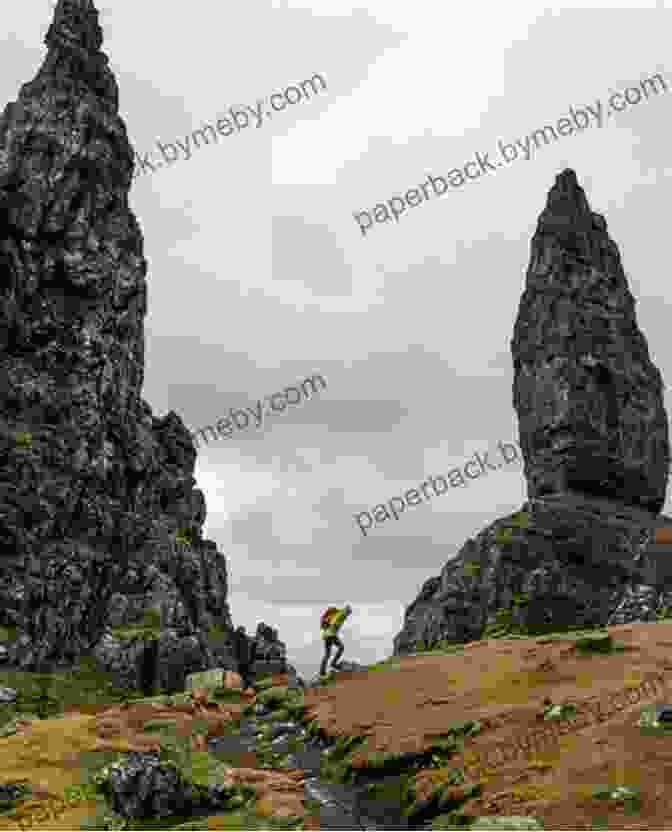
(330, 624)
(245, 651)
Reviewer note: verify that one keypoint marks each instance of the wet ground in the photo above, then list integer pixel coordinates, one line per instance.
(342, 806)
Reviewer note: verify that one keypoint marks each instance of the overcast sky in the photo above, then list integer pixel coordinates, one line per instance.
(259, 276)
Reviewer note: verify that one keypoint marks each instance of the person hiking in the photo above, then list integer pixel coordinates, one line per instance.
(331, 623)
(245, 650)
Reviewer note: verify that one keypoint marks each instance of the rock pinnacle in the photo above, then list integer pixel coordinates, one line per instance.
(588, 398)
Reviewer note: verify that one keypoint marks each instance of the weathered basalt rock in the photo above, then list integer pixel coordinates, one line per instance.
(142, 786)
(271, 653)
(582, 551)
(94, 489)
(574, 563)
(589, 399)
(161, 662)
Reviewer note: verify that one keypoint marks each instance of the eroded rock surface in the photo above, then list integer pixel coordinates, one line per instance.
(582, 551)
(100, 517)
(588, 397)
(575, 563)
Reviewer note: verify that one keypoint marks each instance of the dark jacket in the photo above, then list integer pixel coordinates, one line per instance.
(244, 648)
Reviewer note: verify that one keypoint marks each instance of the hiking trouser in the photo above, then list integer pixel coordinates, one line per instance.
(328, 644)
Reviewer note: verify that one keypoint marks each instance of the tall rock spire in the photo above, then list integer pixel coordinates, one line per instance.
(75, 22)
(74, 61)
(581, 552)
(93, 487)
(588, 398)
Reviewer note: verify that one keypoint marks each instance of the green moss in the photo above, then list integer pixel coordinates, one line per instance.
(264, 684)
(504, 533)
(503, 536)
(224, 695)
(217, 632)
(336, 765)
(471, 567)
(512, 822)
(245, 818)
(445, 799)
(595, 644)
(560, 712)
(49, 694)
(438, 646)
(452, 820)
(274, 697)
(391, 663)
(23, 439)
(142, 631)
(152, 618)
(502, 625)
(297, 709)
(159, 724)
(8, 633)
(80, 792)
(520, 520)
(183, 536)
(628, 797)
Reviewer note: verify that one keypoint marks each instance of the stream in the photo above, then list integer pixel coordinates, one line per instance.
(342, 806)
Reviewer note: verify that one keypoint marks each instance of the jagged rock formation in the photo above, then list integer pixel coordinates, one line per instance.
(588, 398)
(93, 487)
(271, 653)
(593, 429)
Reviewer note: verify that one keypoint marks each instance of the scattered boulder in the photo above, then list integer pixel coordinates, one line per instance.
(10, 793)
(271, 653)
(141, 786)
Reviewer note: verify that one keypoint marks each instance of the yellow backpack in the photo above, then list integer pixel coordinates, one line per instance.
(327, 616)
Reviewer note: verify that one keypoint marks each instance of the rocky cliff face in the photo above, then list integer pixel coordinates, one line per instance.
(94, 490)
(593, 429)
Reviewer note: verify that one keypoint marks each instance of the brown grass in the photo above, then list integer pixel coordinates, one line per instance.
(527, 765)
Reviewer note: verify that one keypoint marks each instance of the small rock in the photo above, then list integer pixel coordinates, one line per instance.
(11, 792)
(280, 728)
(7, 695)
